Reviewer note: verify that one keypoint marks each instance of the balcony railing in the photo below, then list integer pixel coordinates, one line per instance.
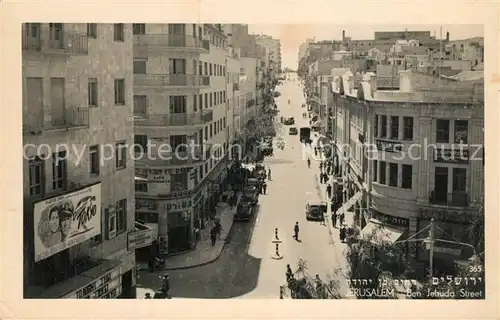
(36, 122)
(455, 199)
(171, 41)
(171, 80)
(174, 119)
(55, 41)
(250, 103)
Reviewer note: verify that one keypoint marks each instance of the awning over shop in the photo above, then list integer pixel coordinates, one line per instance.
(349, 203)
(378, 233)
(140, 179)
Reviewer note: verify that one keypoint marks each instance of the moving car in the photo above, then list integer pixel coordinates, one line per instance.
(244, 212)
(305, 134)
(289, 121)
(293, 131)
(316, 210)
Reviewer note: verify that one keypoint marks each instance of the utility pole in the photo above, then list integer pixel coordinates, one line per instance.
(431, 248)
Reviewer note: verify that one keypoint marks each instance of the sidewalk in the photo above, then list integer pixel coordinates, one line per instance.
(204, 253)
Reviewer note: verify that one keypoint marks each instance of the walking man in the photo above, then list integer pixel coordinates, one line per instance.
(325, 177)
(329, 191)
(296, 231)
(341, 218)
(264, 187)
(213, 236)
(334, 219)
(269, 174)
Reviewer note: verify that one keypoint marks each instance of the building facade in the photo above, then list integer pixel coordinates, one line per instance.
(406, 156)
(77, 181)
(180, 104)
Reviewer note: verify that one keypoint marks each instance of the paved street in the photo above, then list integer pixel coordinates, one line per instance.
(245, 268)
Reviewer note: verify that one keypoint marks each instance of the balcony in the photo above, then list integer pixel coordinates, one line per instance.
(51, 41)
(171, 80)
(454, 199)
(172, 41)
(174, 119)
(172, 157)
(37, 122)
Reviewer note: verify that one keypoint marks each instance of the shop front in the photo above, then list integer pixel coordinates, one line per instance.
(451, 227)
(179, 216)
(385, 229)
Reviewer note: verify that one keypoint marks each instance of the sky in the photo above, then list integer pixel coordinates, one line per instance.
(292, 36)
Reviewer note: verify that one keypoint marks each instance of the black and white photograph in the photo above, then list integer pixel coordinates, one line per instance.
(273, 161)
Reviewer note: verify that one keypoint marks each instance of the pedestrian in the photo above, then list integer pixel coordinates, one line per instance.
(261, 187)
(218, 228)
(296, 231)
(269, 174)
(342, 218)
(308, 163)
(329, 191)
(315, 151)
(325, 177)
(148, 296)
(264, 187)
(342, 234)
(334, 218)
(288, 272)
(165, 286)
(213, 236)
(321, 166)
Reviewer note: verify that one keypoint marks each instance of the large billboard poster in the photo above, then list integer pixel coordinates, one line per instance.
(66, 220)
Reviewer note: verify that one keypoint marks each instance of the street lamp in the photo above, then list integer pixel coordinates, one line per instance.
(429, 242)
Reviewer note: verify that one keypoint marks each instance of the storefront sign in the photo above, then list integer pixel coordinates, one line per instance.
(66, 220)
(458, 156)
(390, 220)
(389, 146)
(153, 175)
(451, 251)
(107, 286)
(178, 205)
(179, 194)
(148, 204)
(139, 239)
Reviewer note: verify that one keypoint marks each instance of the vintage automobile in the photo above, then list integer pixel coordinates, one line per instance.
(293, 131)
(315, 210)
(250, 195)
(244, 212)
(289, 121)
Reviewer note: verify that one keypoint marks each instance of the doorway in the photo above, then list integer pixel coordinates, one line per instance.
(56, 36)
(441, 185)
(57, 111)
(128, 290)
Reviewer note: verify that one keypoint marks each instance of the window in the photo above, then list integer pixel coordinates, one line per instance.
(195, 103)
(224, 122)
(177, 66)
(140, 104)
(59, 170)
(383, 125)
(140, 143)
(211, 71)
(177, 104)
(224, 99)
(120, 92)
(211, 130)
(375, 127)
(92, 30)
(206, 69)
(92, 94)
(383, 169)
(179, 179)
(141, 186)
(36, 177)
(393, 174)
(443, 131)
(147, 217)
(224, 71)
(206, 100)
(459, 179)
(178, 143)
(206, 167)
(200, 172)
(211, 101)
(94, 160)
(375, 170)
(118, 32)
(206, 132)
(139, 67)
(407, 175)
(461, 128)
(394, 128)
(200, 68)
(139, 28)
(121, 216)
(200, 102)
(121, 155)
(408, 128)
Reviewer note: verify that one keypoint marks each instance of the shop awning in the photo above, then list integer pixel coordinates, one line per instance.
(378, 233)
(140, 179)
(349, 203)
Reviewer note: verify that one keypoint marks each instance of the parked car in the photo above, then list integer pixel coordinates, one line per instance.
(289, 121)
(293, 131)
(250, 195)
(244, 212)
(316, 210)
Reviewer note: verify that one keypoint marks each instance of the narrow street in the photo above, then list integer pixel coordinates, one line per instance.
(245, 268)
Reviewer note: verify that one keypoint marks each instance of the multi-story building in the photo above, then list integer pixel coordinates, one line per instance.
(78, 175)
(181, 117)
(411, 154)
(233, 97)
(274, 47)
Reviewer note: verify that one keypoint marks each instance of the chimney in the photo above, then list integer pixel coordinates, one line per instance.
(343, 35)
(447, 36)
